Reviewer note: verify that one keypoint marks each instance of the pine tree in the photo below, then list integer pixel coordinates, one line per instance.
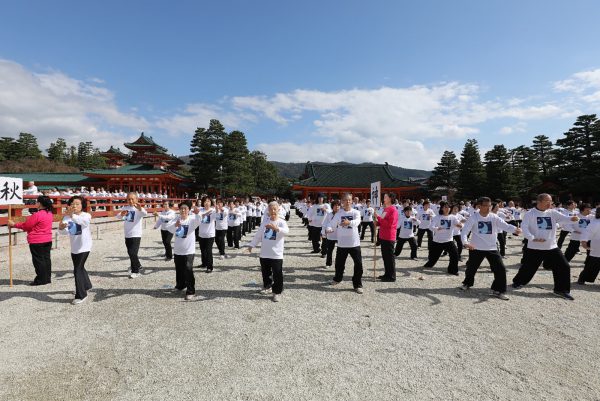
(7, 148)
(445, 174)
(58, 150)
(498, 173)
(27, 147)
(236, 168)
(207, 154)
(525, 171)
(471, 176)
(542, 147)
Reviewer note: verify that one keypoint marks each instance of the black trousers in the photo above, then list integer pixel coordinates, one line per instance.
(233, 236)
(206, 245)
(561, 238)
(572, 250)
(389, 261)
(437, 249)
(363, 227)
(40, 257)
(249, 224)
(315, 237)
(502, 243)
(590, 271)
(495, 260)
(133, 246)
(412, 242)
(554, 259)
(420, 233)
(245, 226)
(272, 273)
(329, 246)
(340, 265)
(167, 236)
(184, 273)
(220, 240)
(82, 280)
(459, 244)
(287, 216)
(256, 221)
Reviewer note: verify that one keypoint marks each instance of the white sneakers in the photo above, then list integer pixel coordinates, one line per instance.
(222, 257)
(78, 301)
(499, 295)
(191, 297)
(134, 275)
(276, 297)
(266, 291)
(359, 290)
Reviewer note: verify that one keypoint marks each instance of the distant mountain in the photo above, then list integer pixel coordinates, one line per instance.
(295, 170)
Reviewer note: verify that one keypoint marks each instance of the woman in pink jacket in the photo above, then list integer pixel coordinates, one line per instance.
(39, 237)
(387, 223)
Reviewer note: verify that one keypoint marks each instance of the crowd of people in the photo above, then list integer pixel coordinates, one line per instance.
(92, 192)
(479, 227)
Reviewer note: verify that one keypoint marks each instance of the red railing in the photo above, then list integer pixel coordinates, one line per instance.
(96, 206)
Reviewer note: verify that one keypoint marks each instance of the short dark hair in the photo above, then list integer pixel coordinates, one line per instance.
(45, 202)
(407, 208)
(81, 198)
(390, 195)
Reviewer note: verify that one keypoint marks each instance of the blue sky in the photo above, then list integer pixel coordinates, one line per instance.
(376, 81)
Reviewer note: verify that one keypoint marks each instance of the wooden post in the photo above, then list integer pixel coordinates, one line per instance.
(10, 272)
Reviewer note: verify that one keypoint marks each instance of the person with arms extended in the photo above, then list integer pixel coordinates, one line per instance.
(133, 214)
(76, 224)
(271, 236)
(39, 237)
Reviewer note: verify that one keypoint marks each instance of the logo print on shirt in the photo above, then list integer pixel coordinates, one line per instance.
(182, 231)
(320, 212)
(206, 219)
(130, 216)
(221, 216)
(583, 223)
(232, 217)
(544, 223)
(408, 225)
(270, 234)
(484, 227)
(445, 224)
(74, 228)
(348, 218)
(426, 216)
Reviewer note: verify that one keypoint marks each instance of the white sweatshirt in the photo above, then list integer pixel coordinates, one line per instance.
(542, 225)
(367, 214)
(406, 225)
(207, 224)
(578, 228)
(348, 236)
(442, 228)
(185, 234)
(316, 214)
(78, 230)
(592, 234)
(484, 231)
(425, 216)
(164, 218)
(272, 241)
(234, 218)
(221, 219)
(133, 221)
(330, 236)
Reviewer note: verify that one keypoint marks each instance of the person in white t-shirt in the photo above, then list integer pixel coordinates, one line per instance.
(442, 227)
(221, 219)
(76, 224)
(367, 213)
(164, 218)
(207, 232)
(271, 236)
(590, 240)
(133, 214)
(184, 229)
(406, 222)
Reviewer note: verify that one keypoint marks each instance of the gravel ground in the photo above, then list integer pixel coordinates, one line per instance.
(416, 339)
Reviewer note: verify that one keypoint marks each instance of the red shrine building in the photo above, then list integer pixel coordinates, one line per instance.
(147, 168)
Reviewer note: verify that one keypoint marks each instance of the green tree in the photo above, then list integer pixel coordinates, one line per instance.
(542, 147)
(525, 171)
(27, 147)
(445, 174)
(471, 175)
(266, 179)
(236, 168)
(58, 150)
(7, 148)
(498, 173)
(207, 154)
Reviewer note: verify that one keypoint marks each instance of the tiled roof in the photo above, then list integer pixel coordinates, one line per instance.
(144, 141)
(71, 178)
(113, 151)
(350, 176)
(133, 169)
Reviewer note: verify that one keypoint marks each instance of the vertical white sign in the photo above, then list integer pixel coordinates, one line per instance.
(376, 194)
(11, 191)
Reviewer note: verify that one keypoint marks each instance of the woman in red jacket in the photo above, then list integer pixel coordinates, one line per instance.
(39, 237)
(387, 223)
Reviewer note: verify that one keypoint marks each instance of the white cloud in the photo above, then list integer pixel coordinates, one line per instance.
(52, 105)
(584, 84)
